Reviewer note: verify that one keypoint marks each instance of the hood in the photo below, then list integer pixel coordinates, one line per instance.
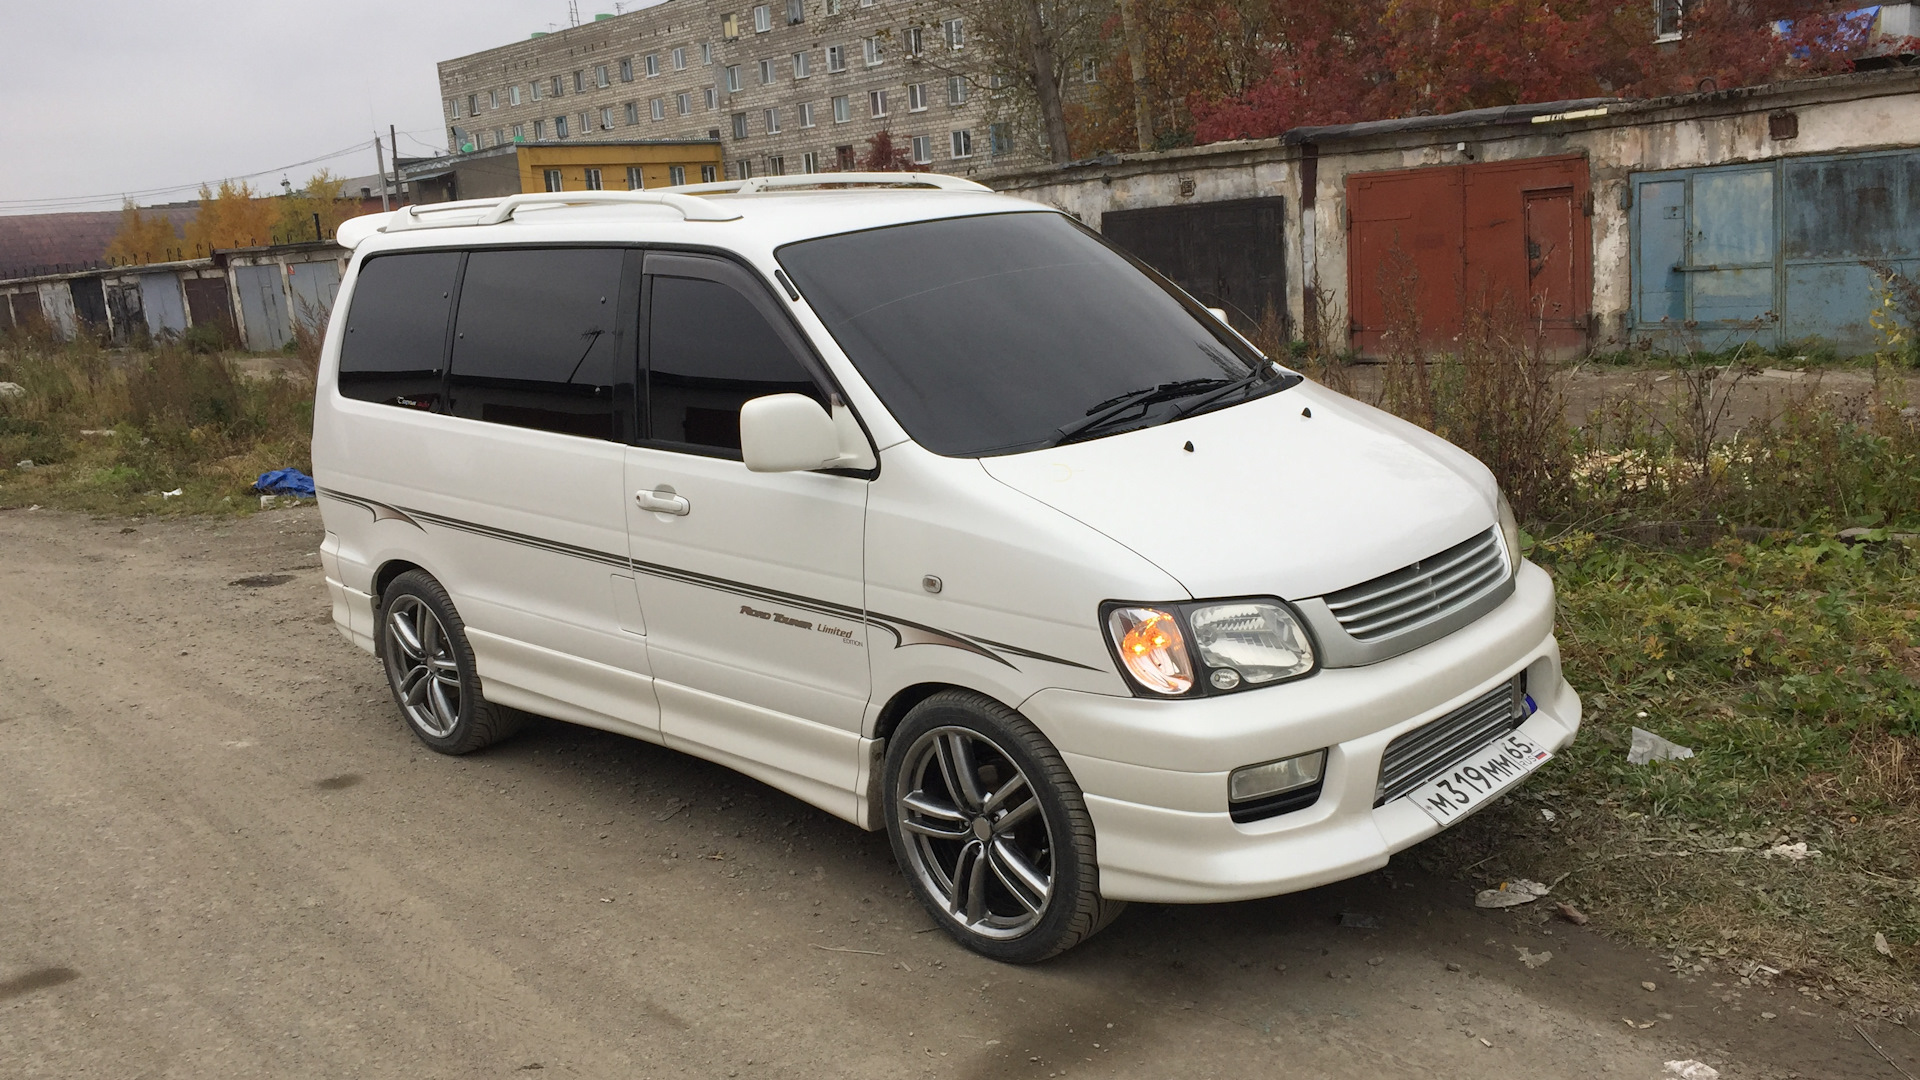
(1269, 501)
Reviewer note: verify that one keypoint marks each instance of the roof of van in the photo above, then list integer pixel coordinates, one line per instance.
(757, 217)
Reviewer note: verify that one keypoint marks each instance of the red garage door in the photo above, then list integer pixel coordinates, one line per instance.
(1427, 245)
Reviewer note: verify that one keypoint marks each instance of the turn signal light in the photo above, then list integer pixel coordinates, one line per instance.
(1153, 649)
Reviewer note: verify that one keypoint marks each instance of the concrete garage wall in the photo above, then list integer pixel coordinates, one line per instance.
(1865, 111)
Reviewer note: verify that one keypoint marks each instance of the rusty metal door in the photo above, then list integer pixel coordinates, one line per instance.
(208, 305)
(89, 305)
(1405, 254)
(125, 315)
(1227, 254)
(1551, 279)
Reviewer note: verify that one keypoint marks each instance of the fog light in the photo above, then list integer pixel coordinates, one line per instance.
(1275, 777)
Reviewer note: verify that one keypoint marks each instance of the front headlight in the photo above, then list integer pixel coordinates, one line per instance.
(1209, 647)
(1510, 534)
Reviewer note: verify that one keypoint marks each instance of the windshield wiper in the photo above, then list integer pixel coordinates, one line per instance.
(1113, 407)
(1265, 371)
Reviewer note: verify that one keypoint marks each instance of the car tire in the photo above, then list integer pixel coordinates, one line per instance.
(991, 830)
(422, 644)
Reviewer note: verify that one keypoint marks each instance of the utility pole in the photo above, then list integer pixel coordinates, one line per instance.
(393, 144)
(380, 156)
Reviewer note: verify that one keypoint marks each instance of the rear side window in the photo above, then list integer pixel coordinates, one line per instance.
(710, 350)
(536, 340)
(396, 337)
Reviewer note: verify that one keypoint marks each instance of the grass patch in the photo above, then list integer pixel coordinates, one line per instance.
(112, 432)
(1791, 668)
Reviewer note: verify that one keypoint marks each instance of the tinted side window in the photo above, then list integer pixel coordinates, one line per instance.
(710, 350)
(397, 328)
(535, 340)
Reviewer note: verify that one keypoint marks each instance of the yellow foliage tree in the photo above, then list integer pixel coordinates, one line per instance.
(321, 196)
(143, 238)
(232, 217)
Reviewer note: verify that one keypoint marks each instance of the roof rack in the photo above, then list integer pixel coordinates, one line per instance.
(498, 211)
(940, 181)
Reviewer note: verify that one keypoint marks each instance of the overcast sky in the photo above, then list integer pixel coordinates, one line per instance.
(111, 97)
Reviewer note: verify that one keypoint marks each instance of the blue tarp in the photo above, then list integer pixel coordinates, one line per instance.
(285, 482)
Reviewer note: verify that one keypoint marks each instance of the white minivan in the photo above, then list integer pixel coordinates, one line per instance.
(929, 507)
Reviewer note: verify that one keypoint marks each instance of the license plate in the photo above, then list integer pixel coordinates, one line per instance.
(1480, 776)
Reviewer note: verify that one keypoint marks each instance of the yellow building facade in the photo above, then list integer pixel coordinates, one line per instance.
(562, 166)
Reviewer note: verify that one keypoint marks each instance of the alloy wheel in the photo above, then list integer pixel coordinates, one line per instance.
(420, 661)
(976, 833)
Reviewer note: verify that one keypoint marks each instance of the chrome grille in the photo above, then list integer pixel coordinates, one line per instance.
(1411, 595)
(1434, 747)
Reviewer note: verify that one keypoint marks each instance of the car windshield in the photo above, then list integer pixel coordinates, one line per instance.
(1008, 332)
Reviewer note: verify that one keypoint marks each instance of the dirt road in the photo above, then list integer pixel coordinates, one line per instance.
(221, 855)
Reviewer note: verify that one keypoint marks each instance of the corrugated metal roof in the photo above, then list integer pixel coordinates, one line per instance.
(33, 244)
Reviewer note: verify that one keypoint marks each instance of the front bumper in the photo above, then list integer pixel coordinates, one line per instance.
(1155, 772)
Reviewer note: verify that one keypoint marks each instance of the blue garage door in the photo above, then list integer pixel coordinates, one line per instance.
(1777, 252)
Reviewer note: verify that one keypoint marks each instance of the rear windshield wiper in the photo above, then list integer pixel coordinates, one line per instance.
(1113, 407)
(1268, 370)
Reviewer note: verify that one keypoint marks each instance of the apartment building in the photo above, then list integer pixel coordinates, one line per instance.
(787, 86)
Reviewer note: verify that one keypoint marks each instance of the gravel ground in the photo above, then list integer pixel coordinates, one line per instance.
(221, 855)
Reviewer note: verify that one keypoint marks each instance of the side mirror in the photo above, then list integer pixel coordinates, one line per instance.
(787, 433)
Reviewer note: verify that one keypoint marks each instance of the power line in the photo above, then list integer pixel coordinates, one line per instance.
(59, 202)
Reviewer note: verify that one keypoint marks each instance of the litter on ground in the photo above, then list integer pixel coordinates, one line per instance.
(1693, 1070)
(1647, 747)
(1511, 894)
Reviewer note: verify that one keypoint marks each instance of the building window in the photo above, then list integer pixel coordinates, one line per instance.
(559, 87)
(739, 125)
(709, 173)
(766, 73)
(533, 90)
(553, 179)
(1001, 139)
(453, 108)
(996, 84)
(762, 19)
(871, 46)
(796, 12)
(773, 121)
(652, 65)
(836, 58)
(539, 130)
(706, 52)
(866, 3)
(730, 27)
(956, 89)
(559, 127)
(513, 94)
(963, 143)
(1668, 16)
(520, 132)
(917, 97)
(680, 59)
(633, 113)
(676, 175)
(743, 169)
(658, 106)
(877, 102)
(1089, 70)
(586, 124)
(913, 41)
(833, 7)
(606, 118)
(801, 66)
(626, 69)
(809, 162)
(684, 102)
(841, 111)
(733, 78)
(593, 180)
(922, 149)
(713, 99)
(600, 77)
(776, 166)
(493, 99)
(806, 114)
(473, 104)
(956, 33)
(580, 82)
(634, 182)
(843, 158)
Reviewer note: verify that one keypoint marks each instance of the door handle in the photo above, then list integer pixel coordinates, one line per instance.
(663, 502)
